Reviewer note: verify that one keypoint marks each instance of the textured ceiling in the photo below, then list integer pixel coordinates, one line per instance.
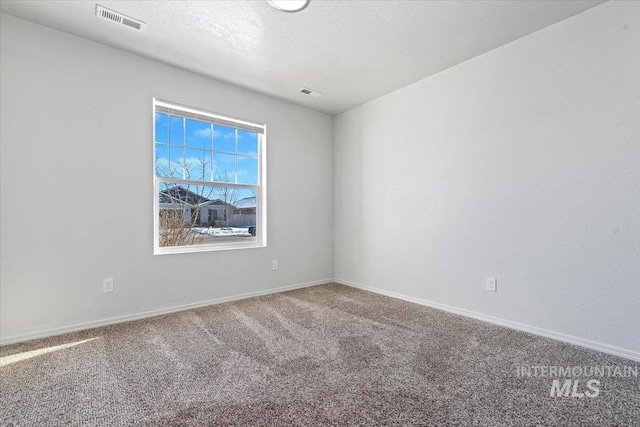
(352, 51)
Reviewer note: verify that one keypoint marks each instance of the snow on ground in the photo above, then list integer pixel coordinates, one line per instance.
(223, 231)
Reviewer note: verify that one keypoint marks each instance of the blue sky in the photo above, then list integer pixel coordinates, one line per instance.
(193, 149)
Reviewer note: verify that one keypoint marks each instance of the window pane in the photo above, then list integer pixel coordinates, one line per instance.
(247, 170)
(205, 214)
(247, 143)
(224, 139)
(224, 166)
(175, 130)
(198, 165)
(162, 128)
(162, 160)
(176, 162)
(198, 134)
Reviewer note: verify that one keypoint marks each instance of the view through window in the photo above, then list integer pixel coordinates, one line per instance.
(208, 192)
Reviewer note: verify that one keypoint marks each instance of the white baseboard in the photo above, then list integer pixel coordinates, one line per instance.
(582, 342)
(12, 339)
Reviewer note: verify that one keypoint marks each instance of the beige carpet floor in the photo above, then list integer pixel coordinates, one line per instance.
(326, 355)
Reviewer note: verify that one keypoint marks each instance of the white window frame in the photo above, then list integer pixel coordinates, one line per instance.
(260, 188)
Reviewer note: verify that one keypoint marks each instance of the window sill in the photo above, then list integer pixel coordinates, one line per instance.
(166, 250)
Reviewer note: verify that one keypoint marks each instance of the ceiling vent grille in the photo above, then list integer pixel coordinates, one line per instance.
(310, 92)
(119, 18)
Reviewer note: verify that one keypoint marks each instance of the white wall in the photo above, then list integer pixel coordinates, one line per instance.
(76, 186)
(522, 164)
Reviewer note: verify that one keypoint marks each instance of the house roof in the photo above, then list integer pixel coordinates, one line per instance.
(182, 195)
(246, 203)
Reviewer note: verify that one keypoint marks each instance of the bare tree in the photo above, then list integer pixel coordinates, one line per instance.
(227, 195)
(182, 203)
(176, 226)
(196, 169)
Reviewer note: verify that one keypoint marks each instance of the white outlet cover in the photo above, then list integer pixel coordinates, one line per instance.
(492, 284)
(107, 285)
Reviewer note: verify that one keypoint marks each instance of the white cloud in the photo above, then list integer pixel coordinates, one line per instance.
(203, 133)
(227, 135)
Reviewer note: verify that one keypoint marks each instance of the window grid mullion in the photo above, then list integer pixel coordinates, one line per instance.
(235, 157)
(206, 183)
(184, 149)
(211, 153)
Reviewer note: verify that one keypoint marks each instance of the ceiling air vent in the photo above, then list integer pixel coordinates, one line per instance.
(119, 18)
(310, 92)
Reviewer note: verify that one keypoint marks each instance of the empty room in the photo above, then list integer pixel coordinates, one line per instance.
(320, 213)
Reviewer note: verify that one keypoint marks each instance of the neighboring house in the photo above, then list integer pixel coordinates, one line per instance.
(246, 206)
(208, 212)
(244, 213)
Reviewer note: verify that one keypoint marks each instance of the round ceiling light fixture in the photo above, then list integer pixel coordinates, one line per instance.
(289, 5)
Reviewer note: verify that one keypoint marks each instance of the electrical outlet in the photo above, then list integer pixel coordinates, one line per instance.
(274, 265)
(107, 285)
(491, 284)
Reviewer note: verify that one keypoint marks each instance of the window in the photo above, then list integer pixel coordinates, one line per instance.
(209, 181)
